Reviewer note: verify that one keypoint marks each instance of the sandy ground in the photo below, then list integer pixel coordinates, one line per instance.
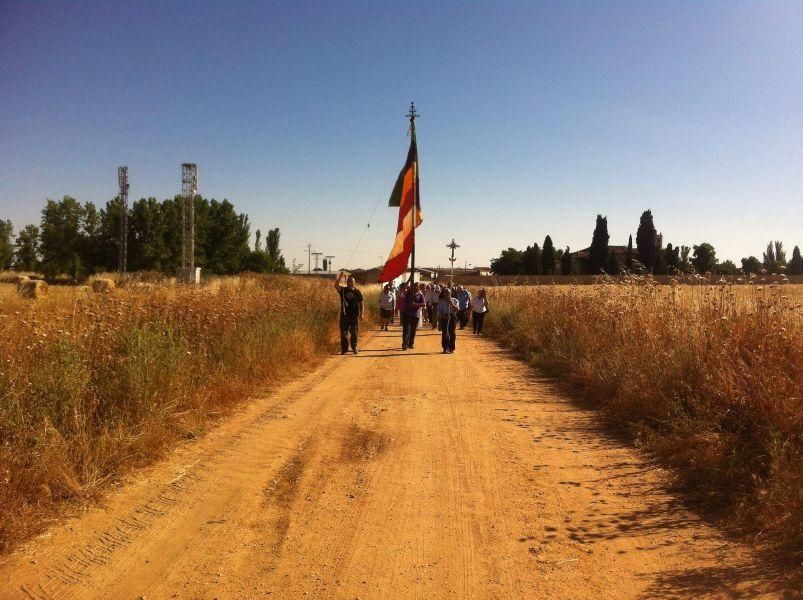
(395, 474)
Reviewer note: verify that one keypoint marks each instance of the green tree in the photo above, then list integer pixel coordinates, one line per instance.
(769, 259)
(548, 257)
(751, 265)
(780, 253)
(147, 246)
(795, 266)
(171, 211)
(726, 268)
(91, 231)
(672, 258)
(704, 258)
(685, 262)
(629, 253)
(226, 241)
(613, 267)
(61, 238)
(775, 257)
(26, 249)
(6, 247)
(509, 262)
(566, 262)
(257, 261)
(646, 241)
(660, 267)
(598, 252)
(531, 260)
(258, 240)
(274, 252)
(108, 236)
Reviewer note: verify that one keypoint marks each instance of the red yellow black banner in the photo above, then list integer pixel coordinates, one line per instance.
(405, 196)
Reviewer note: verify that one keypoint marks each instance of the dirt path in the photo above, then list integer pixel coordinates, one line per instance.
(395, 475)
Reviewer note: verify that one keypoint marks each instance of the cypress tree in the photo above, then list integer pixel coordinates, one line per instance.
(629, 255)
(598, 252)
(612, 267)
(660, 267)
(548, 257)
(769, 259)
(6, 245)
(795, 266)
(646, 241)
(566, 262)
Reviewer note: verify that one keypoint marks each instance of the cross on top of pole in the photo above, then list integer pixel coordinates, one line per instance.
(411, 114)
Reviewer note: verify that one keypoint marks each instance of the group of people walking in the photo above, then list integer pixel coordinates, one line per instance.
(444, 307)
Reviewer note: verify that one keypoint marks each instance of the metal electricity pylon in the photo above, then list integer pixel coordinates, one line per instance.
(122, 240)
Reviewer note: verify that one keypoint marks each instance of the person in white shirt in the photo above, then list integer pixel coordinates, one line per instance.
(433, 295)
(479, 308)
(448, 308)
(464, 301)
(387, 305)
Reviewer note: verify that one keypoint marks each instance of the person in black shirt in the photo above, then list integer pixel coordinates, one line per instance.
(351, 308)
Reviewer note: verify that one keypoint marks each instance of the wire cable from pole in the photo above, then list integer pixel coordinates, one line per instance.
(368, 225)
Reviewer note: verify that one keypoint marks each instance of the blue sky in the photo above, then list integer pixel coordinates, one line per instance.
(535, 117)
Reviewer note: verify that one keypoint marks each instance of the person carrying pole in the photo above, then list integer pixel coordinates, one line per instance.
(351, 311)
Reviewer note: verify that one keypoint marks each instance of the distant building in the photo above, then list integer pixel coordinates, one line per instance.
(580, 258)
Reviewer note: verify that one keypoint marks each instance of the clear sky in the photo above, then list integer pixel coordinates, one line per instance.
(534, 117)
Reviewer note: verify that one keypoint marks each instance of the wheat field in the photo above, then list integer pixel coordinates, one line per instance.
(92, 385)
(708, 378)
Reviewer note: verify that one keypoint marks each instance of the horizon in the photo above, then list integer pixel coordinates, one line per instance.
(534, 119)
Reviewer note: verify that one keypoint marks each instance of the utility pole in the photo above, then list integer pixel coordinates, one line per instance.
(328, 260)
(309, 259)
(454, 246)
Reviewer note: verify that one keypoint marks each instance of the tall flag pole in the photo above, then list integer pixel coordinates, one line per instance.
(405, 195)
(411, 114)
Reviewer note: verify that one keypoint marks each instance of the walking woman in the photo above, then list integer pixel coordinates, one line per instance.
(447, 318)
(387, 306)
(479, 308)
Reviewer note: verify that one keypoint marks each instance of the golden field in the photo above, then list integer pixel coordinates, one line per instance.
(93, 384)
(708, 378)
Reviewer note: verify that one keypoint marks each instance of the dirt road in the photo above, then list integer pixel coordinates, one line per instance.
(395, 474)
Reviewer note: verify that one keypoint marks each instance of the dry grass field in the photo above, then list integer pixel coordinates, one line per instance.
(707, 377)
(92, 384)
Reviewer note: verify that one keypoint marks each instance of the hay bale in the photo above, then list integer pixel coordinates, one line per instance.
(32, 289)
(102, 285)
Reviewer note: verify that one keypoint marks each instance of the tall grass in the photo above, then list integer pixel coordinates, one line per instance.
(708, 378)
(93, 384)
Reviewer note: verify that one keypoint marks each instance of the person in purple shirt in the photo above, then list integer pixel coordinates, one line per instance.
(410, 314)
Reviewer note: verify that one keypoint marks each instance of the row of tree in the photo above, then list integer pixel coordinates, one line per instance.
(648, 256)
(533, 260)
(78, 239)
